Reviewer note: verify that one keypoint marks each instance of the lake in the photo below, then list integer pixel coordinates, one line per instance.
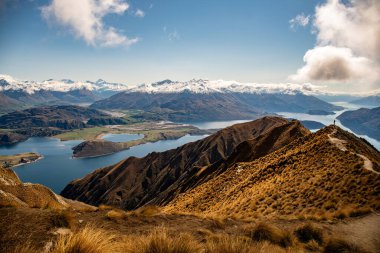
(58, 168)
(324, 119)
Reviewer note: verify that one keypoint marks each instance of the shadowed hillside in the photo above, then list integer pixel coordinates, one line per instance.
(158, 177)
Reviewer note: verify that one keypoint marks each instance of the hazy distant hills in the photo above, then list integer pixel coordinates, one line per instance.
(363, 121)
(368, 101)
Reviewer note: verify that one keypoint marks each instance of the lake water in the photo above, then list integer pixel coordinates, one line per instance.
(57, 168)
(324, 119)
(122, 137)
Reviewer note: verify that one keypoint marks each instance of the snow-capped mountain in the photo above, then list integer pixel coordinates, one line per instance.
(8, 83)
(221, 86)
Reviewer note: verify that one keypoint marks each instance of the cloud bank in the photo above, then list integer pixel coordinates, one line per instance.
(348, 43)
(85, 19)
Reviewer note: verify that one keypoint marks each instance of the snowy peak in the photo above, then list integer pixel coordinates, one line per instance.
(221, 86)
(64, 85)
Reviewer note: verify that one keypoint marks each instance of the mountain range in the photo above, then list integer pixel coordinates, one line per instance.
(199, 100)
(18, 94)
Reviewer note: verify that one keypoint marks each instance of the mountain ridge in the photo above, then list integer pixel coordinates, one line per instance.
(134, 182)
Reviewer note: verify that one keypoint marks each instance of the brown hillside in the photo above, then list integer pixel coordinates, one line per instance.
(328, 172)
(14, 193)
(157, 177)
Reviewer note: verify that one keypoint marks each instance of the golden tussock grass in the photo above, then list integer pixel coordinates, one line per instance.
(146, 211)
(105, 207)
(159, 241)
(116, 214)
(63, 219)
(228, 244)
(310, 177)
(87, 240)
(266, 232)
(264, 238)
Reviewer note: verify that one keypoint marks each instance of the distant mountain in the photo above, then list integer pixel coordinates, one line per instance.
(17, 94)
(183, 106)
(363, 121)
(368, 101)
(62, 117)
(159, 177)
(199, 100)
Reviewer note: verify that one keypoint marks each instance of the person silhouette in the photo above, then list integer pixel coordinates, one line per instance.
(334, 122)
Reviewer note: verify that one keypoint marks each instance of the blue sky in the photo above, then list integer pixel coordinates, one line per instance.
(247, 41)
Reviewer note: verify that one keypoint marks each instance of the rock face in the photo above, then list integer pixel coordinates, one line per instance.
(159, 177)
(363, 121)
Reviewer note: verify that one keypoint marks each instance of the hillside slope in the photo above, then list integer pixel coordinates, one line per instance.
(63, 117)
(320, 174)
(14, 193)
(158, 177)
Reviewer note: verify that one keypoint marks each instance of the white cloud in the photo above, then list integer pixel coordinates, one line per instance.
(85, 19)
(139, 13)
(348, 43)
(299, 20)
(329, 63)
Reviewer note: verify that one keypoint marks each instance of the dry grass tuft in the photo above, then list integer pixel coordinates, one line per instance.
(159, 241)
(105, 207)
(265, 232)
(64, 219)
(313, 246)
(308, 233)
(336, 245)
(116, 214)
(87, 240)
(146, 211)
(228, 244)
(24, 249)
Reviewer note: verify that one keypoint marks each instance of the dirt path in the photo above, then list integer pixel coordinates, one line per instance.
(340, 144)
(363, 231)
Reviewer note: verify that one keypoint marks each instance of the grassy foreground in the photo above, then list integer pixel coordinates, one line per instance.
(148, 230)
